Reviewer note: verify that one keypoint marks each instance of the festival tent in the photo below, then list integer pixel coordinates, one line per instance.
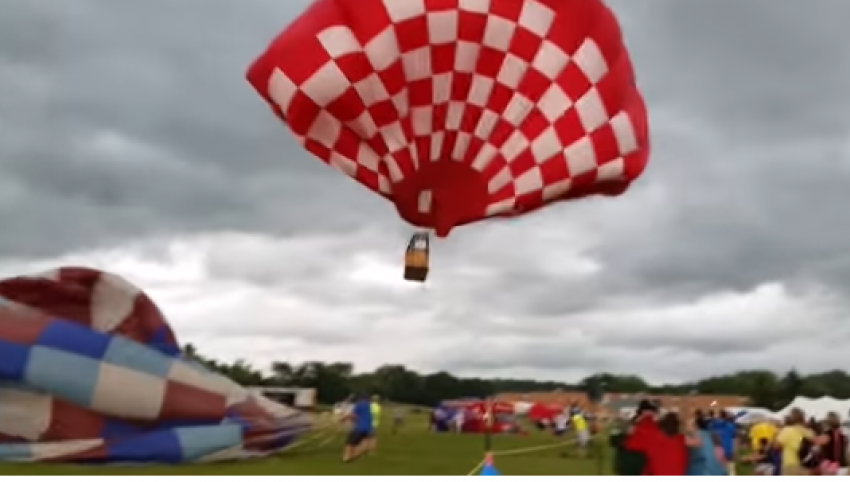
(542, 411)
(442, 416)
(522, 408)
(818, 407)
(446, 411)
(475, 416)
(751, 415)
(477, 422)
(90, 371)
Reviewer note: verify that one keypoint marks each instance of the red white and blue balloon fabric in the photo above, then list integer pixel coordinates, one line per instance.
(90, 371)
(460, 110)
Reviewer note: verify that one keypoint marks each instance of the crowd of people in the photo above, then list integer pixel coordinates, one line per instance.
(658, 443)
(653, 443)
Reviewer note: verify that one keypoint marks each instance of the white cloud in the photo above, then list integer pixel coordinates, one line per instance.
(728, 253)
(262, 299)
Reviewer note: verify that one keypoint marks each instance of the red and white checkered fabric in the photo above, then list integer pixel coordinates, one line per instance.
(99, 300)
(458, 110)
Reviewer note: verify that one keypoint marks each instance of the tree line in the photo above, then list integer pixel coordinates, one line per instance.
(334, 381)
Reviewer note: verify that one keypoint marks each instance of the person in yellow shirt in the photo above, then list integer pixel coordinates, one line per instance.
(765, 429)
(372, 441)
(790, 440)
(579, 424)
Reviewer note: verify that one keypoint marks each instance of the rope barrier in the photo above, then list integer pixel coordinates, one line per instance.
(538, 448)
(323, 433)
(476, 468)
(523, 450)
(325, 441)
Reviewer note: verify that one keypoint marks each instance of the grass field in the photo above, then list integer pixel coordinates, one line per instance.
(414, 451)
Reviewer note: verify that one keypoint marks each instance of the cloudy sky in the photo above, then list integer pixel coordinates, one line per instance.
(129, 140)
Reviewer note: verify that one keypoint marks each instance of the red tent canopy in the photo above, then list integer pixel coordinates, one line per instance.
(542, 411)
(476, 422)
(479, 408)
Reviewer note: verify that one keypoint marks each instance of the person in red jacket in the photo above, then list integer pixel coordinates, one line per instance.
(662, 443)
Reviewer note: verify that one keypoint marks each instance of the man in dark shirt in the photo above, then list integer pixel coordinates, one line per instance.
(834, 446)
(361, 429)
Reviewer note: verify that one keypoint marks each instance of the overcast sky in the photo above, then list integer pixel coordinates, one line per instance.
(129, 140)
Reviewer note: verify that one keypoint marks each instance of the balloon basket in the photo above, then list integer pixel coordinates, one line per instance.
(416, 258)
(415, 274)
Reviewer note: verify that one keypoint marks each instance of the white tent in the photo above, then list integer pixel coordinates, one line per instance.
(818, 407)
(522, 408)
(751, 415)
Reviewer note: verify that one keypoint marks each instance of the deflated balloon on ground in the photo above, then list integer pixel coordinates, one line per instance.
(90, 371)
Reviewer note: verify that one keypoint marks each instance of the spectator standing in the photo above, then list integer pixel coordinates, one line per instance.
(763, 458)
(791, 439)
(582, 432)
(626, 461)
(764, 429)
(723, 426)
(662, 443)
(833, 450)
(702, 458)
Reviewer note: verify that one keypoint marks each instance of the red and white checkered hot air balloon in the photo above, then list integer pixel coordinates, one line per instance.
(461, 110)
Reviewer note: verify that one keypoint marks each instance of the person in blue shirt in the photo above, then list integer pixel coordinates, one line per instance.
(361, 429)
(724, 427)
(702, 459)
(765, 458)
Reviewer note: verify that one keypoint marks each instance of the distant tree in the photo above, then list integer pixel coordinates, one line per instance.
(790, 387)
(335, 381)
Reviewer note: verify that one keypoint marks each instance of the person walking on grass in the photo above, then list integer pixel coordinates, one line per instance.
(559, 426)
(579, 424)
(398, 418)
(375, 409)
(361, 429)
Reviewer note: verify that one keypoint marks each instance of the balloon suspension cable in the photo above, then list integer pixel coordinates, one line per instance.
(429, 237)
(427, 234)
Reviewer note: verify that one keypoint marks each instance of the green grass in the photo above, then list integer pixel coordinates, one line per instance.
(414, 451)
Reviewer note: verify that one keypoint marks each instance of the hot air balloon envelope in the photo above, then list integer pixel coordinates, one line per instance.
(461, 110)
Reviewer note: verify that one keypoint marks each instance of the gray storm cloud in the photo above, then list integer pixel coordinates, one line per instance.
(122, 119)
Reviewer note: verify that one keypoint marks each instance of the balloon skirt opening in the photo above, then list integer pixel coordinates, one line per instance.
(441, 196)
